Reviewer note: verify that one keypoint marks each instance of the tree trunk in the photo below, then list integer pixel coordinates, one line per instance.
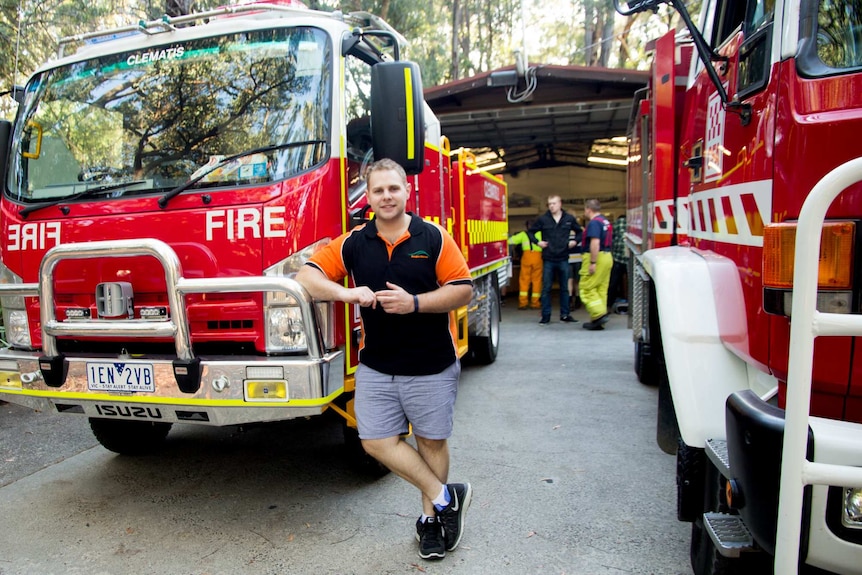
(456, 30)
(174, 8)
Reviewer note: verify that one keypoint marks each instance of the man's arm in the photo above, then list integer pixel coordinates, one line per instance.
(322, 288)
(531, 233)
(594, 254)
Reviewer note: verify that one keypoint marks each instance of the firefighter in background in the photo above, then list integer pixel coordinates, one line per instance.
(531, 268)
(597, 265)
(575, 267)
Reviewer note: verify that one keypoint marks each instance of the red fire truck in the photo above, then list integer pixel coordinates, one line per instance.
(743, 204)
(162, 184)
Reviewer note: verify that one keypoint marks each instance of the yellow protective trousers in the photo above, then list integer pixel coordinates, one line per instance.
(594, 288)
(531, 274)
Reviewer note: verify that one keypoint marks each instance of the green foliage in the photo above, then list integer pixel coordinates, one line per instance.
(486, 32)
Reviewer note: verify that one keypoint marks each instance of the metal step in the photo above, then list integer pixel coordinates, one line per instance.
(716, 451)
(728, 533)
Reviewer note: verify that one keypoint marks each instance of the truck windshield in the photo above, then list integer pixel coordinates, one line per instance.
(147, 121)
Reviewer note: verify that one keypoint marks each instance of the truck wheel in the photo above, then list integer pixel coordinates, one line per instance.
(358, 458)
(645, 364)
(129, 437)
(667, 428)
(690, 474)
(484, 348)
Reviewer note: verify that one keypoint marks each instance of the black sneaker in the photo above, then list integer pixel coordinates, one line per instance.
(452, 516)
(544, 321)
(603, 320)
(593, 325)
(568, 319)
(430, 538)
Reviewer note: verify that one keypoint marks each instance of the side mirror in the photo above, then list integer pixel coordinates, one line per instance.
(18, 94)
(397, 114)
(5, 143)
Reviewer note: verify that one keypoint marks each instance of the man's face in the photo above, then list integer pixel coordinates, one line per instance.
(555, 205)
(387, 194)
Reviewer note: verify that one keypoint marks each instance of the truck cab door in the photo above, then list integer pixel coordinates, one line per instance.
(728, 151)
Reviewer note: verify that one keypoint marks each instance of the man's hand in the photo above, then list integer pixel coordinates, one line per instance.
(543, 244)
(395, 299)
(362, 295)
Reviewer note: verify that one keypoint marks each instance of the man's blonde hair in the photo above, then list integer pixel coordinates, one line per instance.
(385, 164)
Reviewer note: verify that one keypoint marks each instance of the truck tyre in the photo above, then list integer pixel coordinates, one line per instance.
(359, 460)
(690, 477)
(667, 428)
(645, 364)
(130, 437)
(484, 348)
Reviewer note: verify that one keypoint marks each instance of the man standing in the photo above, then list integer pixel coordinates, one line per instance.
(596, 271)
(531, 269)
(408, 275)
(617, 290)
(558, 232)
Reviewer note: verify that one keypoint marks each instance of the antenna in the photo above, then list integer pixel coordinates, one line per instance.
(521, 60)
(17, 44)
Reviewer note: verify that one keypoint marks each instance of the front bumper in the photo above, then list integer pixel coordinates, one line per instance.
(755, 434)
(222, 398)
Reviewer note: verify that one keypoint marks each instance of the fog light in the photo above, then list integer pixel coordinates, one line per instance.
(264, 372)
(265, 390)
(852, 516)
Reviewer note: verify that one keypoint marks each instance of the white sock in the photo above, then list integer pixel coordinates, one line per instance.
(423, 518)
(442, 500)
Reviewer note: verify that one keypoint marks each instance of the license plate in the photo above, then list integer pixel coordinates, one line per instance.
(121, 376)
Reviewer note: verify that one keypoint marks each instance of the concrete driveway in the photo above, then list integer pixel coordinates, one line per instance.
(557, 438)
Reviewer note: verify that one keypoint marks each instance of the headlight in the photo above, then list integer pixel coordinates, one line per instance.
(285, 330)
(14, 313)
(17, 328)
(852, 516)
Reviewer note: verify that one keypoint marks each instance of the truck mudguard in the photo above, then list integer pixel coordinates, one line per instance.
(701, 371)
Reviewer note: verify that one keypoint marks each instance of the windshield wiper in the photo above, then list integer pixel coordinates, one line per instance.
(95, 191)
(163, 201)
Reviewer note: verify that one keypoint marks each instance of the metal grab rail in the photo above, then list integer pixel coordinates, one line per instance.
(177, 326)
(808, 323)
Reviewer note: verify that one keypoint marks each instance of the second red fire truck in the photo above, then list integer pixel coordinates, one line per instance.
(162, 183)
(744, 213)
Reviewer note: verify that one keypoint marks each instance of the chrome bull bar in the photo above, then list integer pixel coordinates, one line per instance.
(186, 367)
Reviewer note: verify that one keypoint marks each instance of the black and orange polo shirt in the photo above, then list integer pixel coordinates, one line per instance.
(423, 259)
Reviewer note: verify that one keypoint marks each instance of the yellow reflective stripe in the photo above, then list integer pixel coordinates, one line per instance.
(408, 91)
(484, 231)
(177, 401)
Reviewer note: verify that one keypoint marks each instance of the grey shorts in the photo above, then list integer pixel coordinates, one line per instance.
(385, 404)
